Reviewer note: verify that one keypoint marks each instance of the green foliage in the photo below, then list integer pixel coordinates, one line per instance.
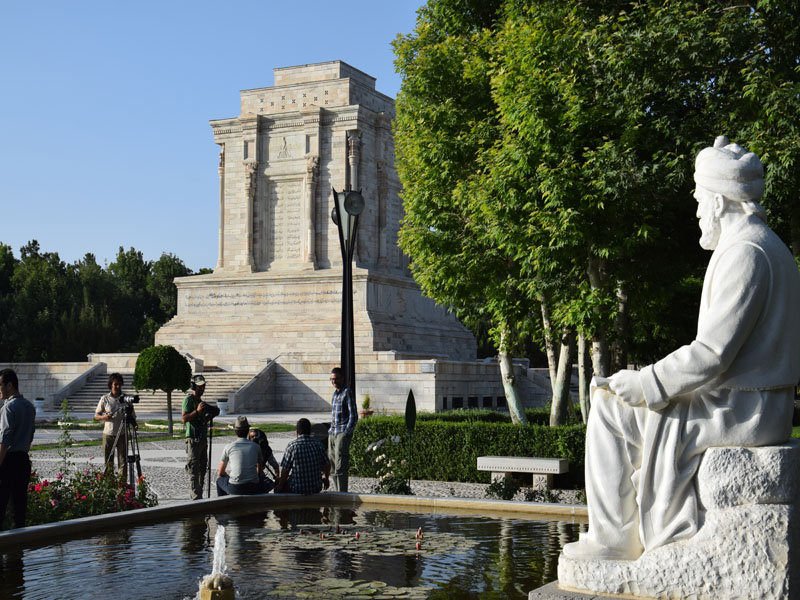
(65, 440)
(503, 488)
(161, 368)
(52, 311)
(448, 451)
(73, 495)
(537, 416)
(546, 153)
(389, 461)
(411, 413)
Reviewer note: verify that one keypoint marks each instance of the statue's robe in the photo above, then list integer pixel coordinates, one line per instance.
(732, 386)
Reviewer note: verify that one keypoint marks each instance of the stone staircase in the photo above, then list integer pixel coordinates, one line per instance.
(218, 385)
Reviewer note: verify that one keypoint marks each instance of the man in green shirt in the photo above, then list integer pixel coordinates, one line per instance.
(194, 414)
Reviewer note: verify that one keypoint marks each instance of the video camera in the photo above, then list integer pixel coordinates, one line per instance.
(210, 411)
(129, 399)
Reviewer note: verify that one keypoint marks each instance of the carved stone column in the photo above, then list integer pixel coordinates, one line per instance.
(221, 172)
(250, 181)
(383, 192)
(353, 158)
(353, 155)
(312, 176)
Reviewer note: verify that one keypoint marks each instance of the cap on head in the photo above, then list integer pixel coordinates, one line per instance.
(241, 424)
(198, 380)
(730, 170)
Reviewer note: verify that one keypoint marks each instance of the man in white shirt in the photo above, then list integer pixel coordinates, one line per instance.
(241, 464)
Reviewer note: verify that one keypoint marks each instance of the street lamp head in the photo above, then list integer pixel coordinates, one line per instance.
(353, 203)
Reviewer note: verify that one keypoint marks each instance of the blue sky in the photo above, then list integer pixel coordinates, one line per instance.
(105, 108)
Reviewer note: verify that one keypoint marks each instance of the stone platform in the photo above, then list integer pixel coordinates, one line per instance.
(748, 545)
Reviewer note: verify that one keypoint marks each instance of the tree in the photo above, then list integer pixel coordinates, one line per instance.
(162, 368)
(134, 303)
(546, 153)
(160, 284)
(444, 121)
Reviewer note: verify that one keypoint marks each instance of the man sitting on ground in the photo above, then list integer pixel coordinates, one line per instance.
(305, 463)
(240, 465)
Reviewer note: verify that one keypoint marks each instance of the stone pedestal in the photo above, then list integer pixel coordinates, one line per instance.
(747, 546)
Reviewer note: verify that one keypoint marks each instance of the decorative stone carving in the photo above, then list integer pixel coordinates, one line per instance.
(312, 173)
(221, 173)
(250, 185)
(733, 386)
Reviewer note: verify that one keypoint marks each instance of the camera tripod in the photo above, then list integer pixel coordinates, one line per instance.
(132, 455)
(210, 420)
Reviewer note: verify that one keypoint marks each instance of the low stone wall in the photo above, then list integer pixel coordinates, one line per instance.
(302, 382)
(41, 380)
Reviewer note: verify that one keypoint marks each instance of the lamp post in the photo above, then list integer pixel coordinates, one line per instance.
(347, 205)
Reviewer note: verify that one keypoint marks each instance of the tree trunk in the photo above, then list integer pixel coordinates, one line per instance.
(169, 411)
(600, 354)
(561, 397)
(516, 408)
(584, 378)
(549, 345)
(622, 321)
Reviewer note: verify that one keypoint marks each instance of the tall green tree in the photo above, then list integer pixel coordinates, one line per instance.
(445, 120)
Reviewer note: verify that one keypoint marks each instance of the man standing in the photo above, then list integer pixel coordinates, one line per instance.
(16, 434)
(732, 386)
(194, 415)
(304, 463)
(241, 464)
(111, 410)
(344, 417)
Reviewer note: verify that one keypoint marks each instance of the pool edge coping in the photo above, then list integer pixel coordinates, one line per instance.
(48, 532)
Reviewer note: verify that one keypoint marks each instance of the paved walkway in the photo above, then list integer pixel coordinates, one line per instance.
(163, 461)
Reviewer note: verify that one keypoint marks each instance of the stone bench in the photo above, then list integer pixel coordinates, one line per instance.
(542, 469)
(748, 545)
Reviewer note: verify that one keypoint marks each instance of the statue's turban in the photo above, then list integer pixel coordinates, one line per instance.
(730, 170)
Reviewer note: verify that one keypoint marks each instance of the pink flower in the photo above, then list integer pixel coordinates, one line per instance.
(83, 497)
(53, 503)
(60, 476)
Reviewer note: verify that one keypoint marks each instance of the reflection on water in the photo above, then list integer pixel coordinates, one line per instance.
(509, 557)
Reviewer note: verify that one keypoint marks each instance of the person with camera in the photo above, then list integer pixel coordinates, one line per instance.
(111, 410)
(196, 414)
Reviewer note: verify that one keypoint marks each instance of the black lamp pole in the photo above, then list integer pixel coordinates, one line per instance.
(347, 205)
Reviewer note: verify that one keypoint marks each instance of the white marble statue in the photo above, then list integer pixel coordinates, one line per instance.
(732, 386)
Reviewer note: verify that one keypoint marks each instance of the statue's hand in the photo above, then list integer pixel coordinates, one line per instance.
(627, 385)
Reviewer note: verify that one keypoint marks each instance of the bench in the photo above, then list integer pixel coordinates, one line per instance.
(542, 469)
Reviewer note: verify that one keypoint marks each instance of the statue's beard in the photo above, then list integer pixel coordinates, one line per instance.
(710, 230)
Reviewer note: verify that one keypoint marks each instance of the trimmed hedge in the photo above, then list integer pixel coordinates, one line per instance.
(448, 450)
(536, 416)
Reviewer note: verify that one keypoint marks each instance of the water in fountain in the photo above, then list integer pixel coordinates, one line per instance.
(218, 586)
(219, 552)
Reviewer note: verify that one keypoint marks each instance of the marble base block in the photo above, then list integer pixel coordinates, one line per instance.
(748, 546)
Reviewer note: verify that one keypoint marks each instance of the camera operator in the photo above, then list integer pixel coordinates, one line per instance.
(111, 409)
(196, 414)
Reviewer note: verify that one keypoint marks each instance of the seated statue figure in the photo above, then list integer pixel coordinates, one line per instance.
(732, 386)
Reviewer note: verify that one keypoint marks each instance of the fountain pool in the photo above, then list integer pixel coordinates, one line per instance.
(297, 553)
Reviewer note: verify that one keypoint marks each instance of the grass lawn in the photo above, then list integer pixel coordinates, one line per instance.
(796, 432)
(147, 434)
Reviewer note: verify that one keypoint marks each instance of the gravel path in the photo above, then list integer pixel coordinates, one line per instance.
(163, 466)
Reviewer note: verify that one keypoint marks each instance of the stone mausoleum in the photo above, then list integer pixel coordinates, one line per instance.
(272, 306)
